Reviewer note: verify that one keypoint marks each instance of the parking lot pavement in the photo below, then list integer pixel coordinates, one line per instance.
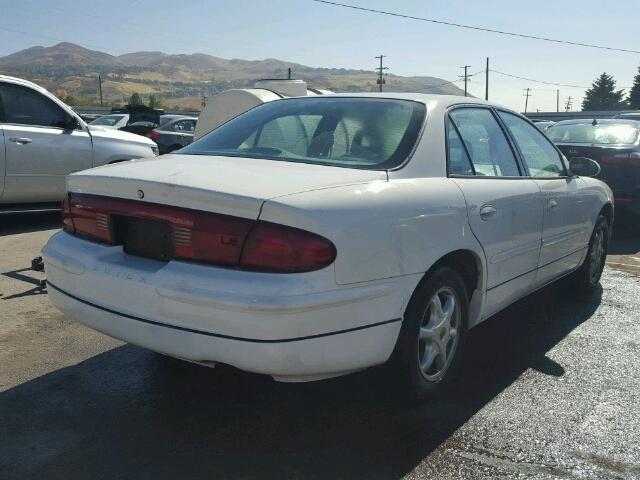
(550, 389)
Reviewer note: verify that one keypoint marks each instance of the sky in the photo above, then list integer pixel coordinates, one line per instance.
(321, 35)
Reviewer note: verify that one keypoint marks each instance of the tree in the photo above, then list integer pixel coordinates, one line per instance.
(634, 93)
(135, 100)
(603, 95)
(154, 102)
(67, 98)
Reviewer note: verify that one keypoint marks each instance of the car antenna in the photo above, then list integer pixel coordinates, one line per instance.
(595, 122)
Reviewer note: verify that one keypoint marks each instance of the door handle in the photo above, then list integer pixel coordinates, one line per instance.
(552, 204)
(487, 211)
(22, 140)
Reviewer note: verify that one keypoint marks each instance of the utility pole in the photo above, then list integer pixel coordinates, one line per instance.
(289, 73)
(486, 82)
(381, 70)
(568, 105)
(526, 101)
(466, 78)
(100, 88)
(558, 100)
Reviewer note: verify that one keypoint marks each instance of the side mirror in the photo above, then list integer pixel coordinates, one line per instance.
(71, 123)
(585, 167)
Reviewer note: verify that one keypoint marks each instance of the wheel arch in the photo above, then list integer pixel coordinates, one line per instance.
(608, 212)
(469, 264)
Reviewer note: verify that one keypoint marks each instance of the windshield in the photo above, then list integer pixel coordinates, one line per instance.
(108, 120)
(603, 133)
(367, 133)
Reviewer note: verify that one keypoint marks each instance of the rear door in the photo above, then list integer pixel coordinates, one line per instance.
(567, 205)
(504, 206)
(39, 150)
(183, 130)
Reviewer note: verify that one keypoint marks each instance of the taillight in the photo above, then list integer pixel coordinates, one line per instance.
(209, 237)
(65, 210)
(153, 135)
(277, 248)
(91, 217)
(202, 236)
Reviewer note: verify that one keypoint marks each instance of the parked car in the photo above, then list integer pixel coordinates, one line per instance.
(627, 116)
(140, 118)
(114, 120)
(89, 117)
(140, 128)
(167, 117)
(615, 145)
(542, 124)
(311, 237)
(174, 134)
(42, 140)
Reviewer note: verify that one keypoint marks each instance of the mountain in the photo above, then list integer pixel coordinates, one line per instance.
(61, 54)
(181, 80)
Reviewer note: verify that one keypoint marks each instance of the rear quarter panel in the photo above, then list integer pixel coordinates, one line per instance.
(598, 194)
(381, 229)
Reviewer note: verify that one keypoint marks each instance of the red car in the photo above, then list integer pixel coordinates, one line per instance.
(615, 145)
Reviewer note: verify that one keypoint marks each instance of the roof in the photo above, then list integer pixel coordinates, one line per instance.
(417, 97)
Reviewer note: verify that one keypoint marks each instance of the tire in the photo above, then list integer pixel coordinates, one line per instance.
(418, 361)
(587, 277)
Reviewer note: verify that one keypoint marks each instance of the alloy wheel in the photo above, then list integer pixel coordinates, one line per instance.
(597, 254)
(439, 334)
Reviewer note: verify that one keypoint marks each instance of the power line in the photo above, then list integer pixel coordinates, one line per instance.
(453, 81)
(538, 81)
(545, 82)
(472, 27)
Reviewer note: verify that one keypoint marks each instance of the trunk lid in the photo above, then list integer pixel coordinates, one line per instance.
(228, 185)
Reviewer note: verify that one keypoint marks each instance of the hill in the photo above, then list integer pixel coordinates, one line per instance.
(182, 79)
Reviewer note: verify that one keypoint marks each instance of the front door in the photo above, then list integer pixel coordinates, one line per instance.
(39, 150)
(503, 205)
(566, 229)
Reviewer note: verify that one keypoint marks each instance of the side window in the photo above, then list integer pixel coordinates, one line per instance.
(489, 149)
(541, 157)
(459, 162)
(186, 126)
(27, 107)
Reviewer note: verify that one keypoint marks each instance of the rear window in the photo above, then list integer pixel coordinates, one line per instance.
(367, 133)
(603, 134)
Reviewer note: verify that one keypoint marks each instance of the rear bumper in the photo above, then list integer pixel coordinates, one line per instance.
(291, 327)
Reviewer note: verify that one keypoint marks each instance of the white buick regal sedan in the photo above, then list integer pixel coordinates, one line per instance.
(314, 237)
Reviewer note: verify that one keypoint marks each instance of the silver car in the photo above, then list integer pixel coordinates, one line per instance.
(42, 140)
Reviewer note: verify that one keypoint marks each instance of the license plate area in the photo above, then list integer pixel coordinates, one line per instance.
(144, 237)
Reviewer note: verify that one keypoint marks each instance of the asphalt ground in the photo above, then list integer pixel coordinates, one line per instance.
(550, 389)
